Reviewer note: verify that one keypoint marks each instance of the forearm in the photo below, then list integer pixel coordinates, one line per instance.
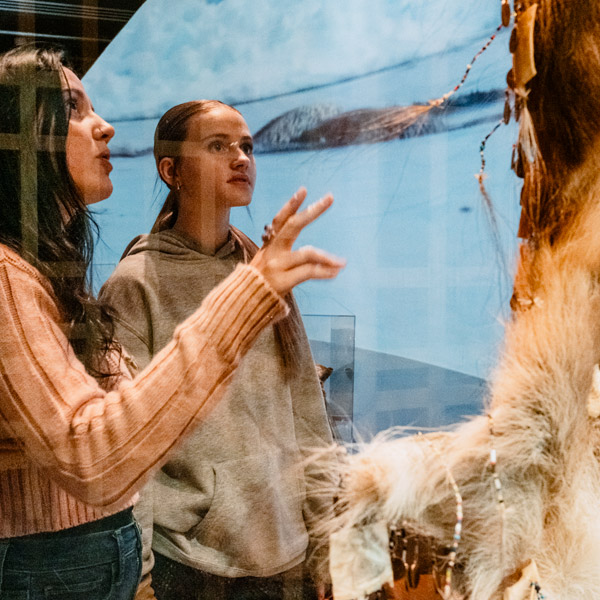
(103, 447)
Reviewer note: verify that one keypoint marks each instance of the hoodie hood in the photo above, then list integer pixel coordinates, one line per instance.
(175, 245)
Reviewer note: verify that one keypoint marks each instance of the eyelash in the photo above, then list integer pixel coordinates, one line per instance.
(71, 106)
(218, 146)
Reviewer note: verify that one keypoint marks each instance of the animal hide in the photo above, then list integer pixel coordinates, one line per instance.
(545, 439)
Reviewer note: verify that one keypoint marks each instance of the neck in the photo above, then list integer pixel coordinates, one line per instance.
(209, 229)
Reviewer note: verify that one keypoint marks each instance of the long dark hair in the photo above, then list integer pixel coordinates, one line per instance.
(43, 217)
(564, 102)
(170, 133)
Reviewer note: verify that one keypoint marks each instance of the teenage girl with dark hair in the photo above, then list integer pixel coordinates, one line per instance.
(74, 453)
(230, 515)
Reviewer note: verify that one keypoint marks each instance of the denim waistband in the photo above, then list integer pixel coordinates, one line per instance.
(84, 546)
(50, 560)
(110, 523)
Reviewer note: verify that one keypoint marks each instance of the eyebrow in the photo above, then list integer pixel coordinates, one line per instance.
(77, 95)
(224, 136)
(71, 92)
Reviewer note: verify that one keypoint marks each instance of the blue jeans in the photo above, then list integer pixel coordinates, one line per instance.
(103, 565)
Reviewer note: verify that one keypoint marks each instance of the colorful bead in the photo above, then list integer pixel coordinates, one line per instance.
(442, 99)
(480, 176)
(447, 590)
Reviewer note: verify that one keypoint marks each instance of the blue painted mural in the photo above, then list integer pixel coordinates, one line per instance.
(426, 286)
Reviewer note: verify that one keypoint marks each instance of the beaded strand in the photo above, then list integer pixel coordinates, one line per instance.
(497, 485)
(507, 14)
(447, 590)
(481, 175)
(493, 463)
(439, 101)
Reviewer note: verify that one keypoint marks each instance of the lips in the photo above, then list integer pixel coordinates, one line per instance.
(240, 179)
(104, 157)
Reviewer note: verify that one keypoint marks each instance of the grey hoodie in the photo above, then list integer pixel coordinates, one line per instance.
(232, 499)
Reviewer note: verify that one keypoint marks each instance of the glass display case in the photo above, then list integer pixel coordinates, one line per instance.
(332, 342)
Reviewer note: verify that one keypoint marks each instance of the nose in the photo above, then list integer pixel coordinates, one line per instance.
(103, 130)
(239, 157)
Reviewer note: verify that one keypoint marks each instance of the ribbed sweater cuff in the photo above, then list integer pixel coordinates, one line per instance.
(239, 309)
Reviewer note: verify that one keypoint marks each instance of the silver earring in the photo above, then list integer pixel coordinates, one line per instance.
(178, 186)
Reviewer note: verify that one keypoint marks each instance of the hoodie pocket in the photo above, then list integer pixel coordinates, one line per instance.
(255, 518)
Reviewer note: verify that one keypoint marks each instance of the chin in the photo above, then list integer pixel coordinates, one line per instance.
(236, 202)
(98, 194)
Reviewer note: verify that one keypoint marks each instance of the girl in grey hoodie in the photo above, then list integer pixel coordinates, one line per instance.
(229, 515)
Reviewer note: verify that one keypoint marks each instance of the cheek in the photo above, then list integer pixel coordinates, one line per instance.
(89, 176)
(194, 172)
(74, 161)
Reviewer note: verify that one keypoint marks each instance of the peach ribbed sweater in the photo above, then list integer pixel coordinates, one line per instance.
(71, 452)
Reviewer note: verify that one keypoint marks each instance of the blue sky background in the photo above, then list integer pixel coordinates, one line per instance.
(424, 279)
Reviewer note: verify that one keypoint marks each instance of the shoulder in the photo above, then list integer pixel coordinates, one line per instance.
(18, 270)
(133, 271)
(13, 261)
(130, 268)
(129, 280)
(25, 294)
(128, 296)
(144, 257)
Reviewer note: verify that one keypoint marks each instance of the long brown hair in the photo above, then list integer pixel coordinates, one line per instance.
(170, 133)
(43, 217)
(564, 102)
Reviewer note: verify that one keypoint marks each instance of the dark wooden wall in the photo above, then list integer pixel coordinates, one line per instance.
(83, 27)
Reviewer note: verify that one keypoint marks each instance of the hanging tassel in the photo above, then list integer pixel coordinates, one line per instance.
(527, 143)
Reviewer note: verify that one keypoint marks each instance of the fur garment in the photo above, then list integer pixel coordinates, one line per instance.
(545, 437)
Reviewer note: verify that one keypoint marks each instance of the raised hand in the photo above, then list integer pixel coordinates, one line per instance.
(285, 268)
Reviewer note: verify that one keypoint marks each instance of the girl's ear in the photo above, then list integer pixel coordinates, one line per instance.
(166, 170)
